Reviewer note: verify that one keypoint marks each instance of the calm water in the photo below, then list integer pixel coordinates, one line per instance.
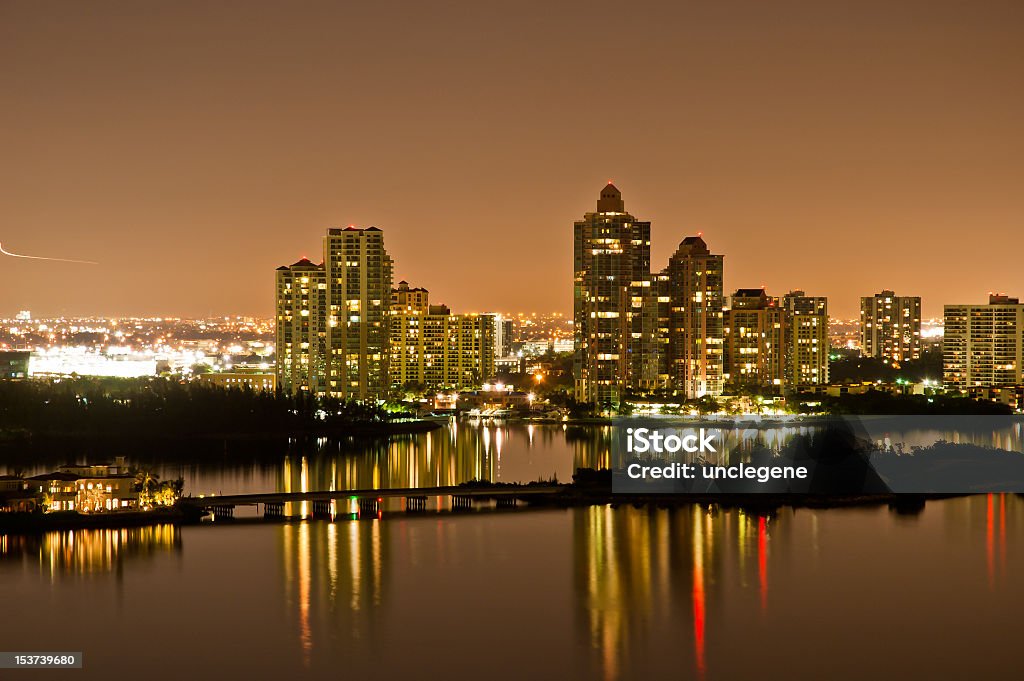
(447, 456)
(595, 593)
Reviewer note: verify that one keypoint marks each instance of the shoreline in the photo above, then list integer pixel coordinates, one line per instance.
(367, 430)
(61, 521)
(569, 495)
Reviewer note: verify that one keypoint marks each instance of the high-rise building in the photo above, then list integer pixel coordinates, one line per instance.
(302, 328)
(755, 355)
(332, 319)
(807, 344)
(504, 330)
(469, 356)
(658, 306)
(983, 345)
(432, 348)
(358, 270)
(612, 265)
(693, 280)
(890, 327)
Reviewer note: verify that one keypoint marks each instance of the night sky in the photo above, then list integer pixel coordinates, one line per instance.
(192, 147)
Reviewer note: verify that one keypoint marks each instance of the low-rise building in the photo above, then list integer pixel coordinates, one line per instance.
(58, 490)
(1010, 395)
(257, 381)
(15, 496)
(494, 399)
(86, 488)
(14, 364)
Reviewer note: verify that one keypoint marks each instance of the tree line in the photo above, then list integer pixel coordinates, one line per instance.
(169, 407)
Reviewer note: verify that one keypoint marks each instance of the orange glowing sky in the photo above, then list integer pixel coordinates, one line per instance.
(192, 147)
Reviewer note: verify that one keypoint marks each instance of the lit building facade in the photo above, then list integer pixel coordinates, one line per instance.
(806, 340)
(612, 264)
(983, 345)
(755, 338)
(88, 488)
(890, 327)
(333, 330)
(358, 271)
(638, 330)
(693, 280)
(432, 348)
(301, 339)
(405, 298)
(504, 329)
(242, 380)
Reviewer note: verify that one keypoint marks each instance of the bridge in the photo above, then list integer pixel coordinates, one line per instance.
(370, 501)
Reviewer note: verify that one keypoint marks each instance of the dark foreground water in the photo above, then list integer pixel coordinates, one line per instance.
(595, 593)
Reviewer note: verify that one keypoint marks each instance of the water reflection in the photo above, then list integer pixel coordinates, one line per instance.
(449, 456)
(514, 453)
(649, 577)
(334, 574)
(87, 551)
(596, 592)
(502, 452)
(646, 580)
(640, 569)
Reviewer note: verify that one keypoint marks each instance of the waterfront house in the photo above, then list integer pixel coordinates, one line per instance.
(15, 496)
(56, 490)
(86, 488)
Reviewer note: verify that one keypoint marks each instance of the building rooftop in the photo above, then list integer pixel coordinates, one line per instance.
(56, 476)
(610, 200)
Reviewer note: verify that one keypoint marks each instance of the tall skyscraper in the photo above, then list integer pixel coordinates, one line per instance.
(332, 322)
(302, 328)
(358, 272)
(807, 343)
(755, 336)
(504, 330)
(890, 327)
(696, 332)
(983, 345)
(611, 262)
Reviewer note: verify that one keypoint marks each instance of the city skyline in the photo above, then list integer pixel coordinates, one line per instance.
(640, 339)
(848, 311)
(840, 150)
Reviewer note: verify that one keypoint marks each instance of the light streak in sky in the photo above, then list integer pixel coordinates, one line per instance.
(39, 257)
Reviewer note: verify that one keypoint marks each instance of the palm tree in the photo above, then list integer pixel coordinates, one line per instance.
(145, 483)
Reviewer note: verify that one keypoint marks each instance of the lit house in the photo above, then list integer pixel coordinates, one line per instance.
(58, 490)
(15, 496)
(87, 489)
